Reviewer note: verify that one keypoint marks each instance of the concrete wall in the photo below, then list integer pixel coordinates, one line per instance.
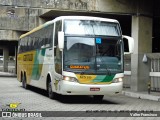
(112, 6)
(13, 18)
(9, 35)
(33, 18)
(53, 4)
(23, 15)
(131, 7)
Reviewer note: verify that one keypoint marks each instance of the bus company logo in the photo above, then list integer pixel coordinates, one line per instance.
(12, 107)
(28, 57)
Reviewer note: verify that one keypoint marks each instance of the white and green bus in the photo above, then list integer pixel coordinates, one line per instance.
(74, 55)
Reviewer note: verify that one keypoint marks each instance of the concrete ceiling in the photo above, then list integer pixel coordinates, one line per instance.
(124, 19)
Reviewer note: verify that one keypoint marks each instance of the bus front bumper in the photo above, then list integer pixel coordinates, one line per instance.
(72, 88)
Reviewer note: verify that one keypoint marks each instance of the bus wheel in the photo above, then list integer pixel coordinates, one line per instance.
(50, 92)
(98, 98)
(24, 83)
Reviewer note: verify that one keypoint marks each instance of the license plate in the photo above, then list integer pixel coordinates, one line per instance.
(94, 89)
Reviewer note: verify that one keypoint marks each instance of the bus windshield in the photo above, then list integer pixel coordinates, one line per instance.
(93, 55)
(91, 27)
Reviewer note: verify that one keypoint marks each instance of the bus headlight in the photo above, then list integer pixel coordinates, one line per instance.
(71, 79)
(116, 80)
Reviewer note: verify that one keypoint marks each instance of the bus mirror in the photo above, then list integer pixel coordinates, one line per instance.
(61, 40)
(128, 44)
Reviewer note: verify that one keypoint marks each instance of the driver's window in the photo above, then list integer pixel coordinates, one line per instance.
(57, 52)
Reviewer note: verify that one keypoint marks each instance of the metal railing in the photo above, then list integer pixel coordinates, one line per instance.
(154, 71)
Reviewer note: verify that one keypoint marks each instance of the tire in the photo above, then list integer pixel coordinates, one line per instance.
(98, 98)
(24, 83)
(51, 95)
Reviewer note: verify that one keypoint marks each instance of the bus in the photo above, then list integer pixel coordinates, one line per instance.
(74, 55)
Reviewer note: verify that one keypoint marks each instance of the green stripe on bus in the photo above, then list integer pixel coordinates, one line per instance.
(103, 78)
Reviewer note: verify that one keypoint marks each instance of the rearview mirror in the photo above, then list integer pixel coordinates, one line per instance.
(128, 44)
(61, 40)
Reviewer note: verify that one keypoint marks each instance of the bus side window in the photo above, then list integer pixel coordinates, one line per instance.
(22, 45)
(58, 28)
(33, 40)
(36, 42)
(50, 36)
(57, 52)
(45, 39)
(27, 44)
(42, 38)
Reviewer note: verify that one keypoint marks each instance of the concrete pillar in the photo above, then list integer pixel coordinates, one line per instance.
(142, 34)
(5, 59)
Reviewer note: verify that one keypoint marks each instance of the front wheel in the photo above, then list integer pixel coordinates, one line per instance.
(51, 95)
(24, 82)
(98, 97)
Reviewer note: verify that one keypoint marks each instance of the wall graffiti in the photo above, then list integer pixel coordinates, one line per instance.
(11, 13)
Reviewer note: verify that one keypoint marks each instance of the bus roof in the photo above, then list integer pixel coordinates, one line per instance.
(85, 18)
(68, 17)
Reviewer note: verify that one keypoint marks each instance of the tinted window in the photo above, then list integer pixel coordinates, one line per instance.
(37, 40)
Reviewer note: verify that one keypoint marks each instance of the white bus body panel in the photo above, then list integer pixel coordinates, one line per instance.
(72, 88)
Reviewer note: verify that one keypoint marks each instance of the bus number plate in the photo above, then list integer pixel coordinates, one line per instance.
(94, 89)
